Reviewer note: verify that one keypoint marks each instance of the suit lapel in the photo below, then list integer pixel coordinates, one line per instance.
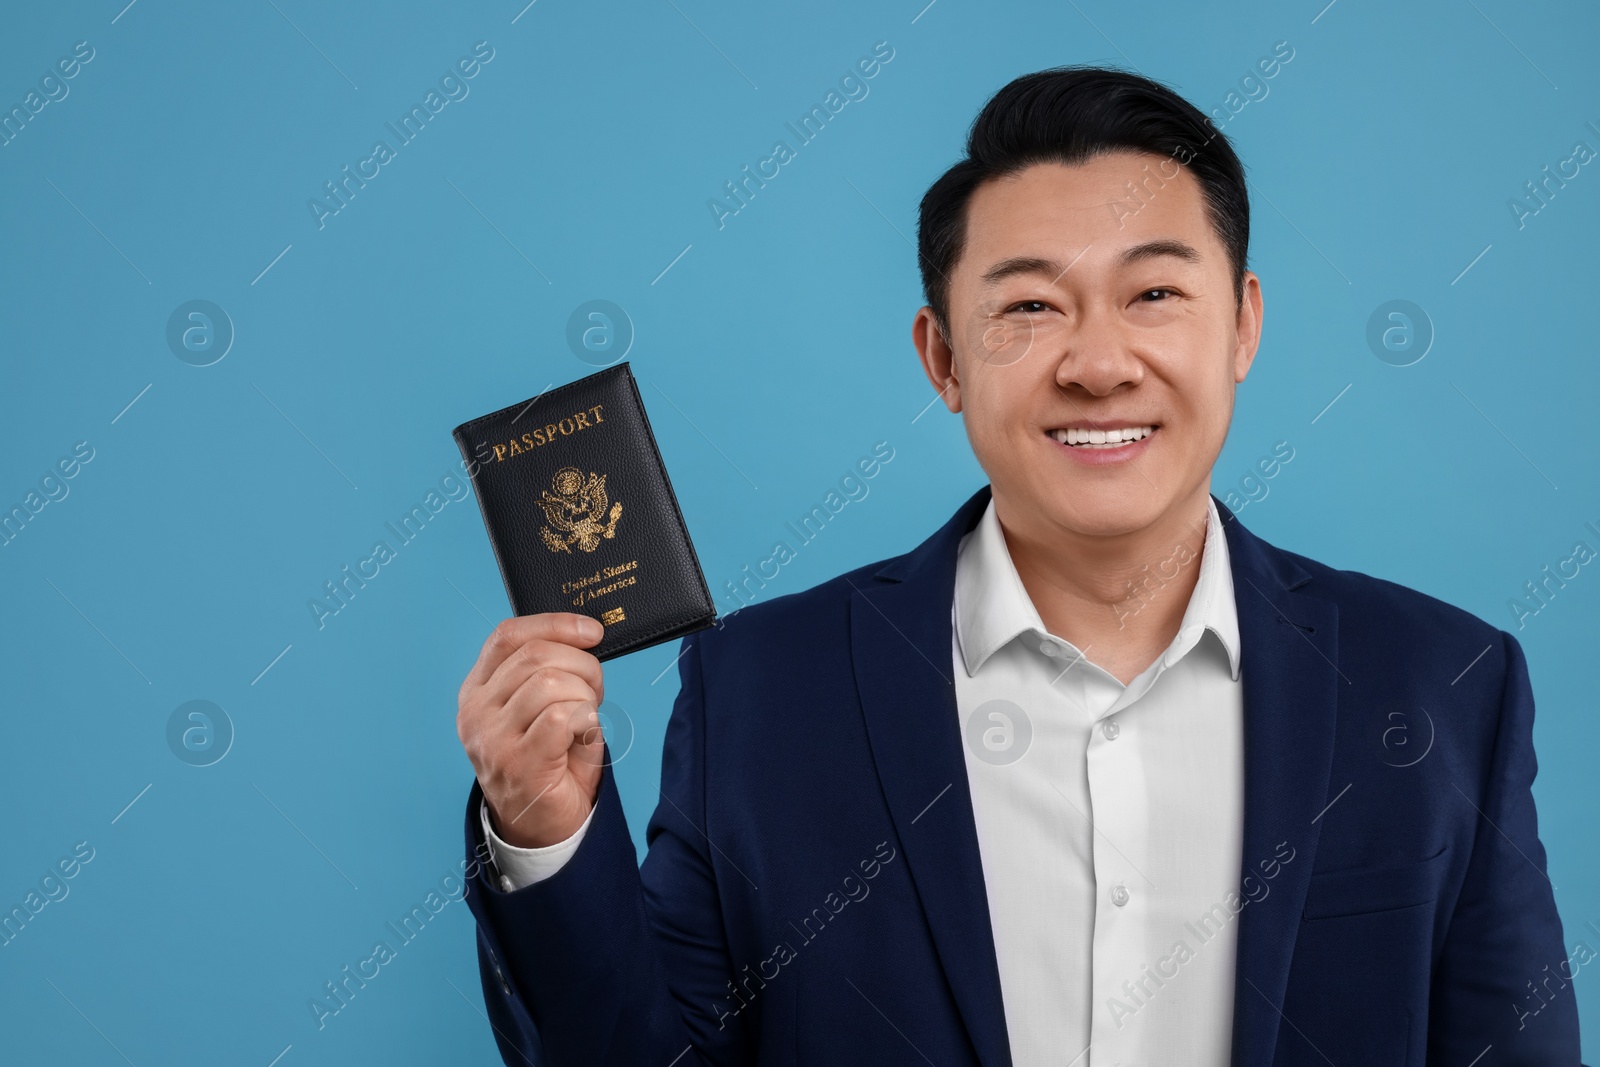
(901, 648)
(900, 641)
(1288, 667)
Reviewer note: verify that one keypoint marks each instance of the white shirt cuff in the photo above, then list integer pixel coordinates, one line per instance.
(521, 867)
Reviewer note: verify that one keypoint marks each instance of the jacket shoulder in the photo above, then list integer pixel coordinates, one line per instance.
(1394, 612)
(793, 619)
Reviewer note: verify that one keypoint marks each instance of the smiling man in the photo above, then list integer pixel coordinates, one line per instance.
(964, 806)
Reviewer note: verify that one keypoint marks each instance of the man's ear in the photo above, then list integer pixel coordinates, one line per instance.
(1247, 327)
(938, 359)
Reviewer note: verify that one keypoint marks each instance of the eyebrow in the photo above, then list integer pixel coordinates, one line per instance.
(1007, 268)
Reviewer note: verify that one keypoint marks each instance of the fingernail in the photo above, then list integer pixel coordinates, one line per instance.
(592, 628)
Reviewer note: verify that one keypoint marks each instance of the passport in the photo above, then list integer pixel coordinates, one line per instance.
(581, 515)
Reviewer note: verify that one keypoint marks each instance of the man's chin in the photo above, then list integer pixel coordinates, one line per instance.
(1091, 511)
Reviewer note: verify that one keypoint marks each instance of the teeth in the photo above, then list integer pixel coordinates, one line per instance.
(1102, 438)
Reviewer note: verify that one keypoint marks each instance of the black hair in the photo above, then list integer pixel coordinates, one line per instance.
(1071, 115)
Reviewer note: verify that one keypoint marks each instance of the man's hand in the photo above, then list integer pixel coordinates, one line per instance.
(529, 720)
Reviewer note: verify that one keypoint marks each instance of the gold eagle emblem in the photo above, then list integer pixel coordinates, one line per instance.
(576, 511)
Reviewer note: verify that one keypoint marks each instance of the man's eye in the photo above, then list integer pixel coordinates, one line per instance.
(1162, 293)
(1030, 307)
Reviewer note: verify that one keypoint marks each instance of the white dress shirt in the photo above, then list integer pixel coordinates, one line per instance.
(524, 866)
(1109, 818)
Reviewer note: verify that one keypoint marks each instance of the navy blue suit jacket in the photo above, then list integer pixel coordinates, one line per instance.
(813, 894)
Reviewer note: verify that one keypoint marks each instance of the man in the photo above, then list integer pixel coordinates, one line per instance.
(1091, 776)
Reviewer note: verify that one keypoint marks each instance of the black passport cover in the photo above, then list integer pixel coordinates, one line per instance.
(581, 515)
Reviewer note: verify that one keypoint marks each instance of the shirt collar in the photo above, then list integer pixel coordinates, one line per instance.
(992, 607)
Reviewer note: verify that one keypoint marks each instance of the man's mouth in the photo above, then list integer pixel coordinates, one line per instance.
(1085, 437)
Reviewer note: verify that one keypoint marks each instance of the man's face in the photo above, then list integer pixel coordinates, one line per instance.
(1079, 312)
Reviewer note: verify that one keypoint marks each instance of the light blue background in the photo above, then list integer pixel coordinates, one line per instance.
(772, 354)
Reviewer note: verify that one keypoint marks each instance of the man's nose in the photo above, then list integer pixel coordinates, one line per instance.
(1096, 353)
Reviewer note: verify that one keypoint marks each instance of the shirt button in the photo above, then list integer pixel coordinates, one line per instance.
(505, 883)
(1119, 895)
(1048, 647)
(1111, 729)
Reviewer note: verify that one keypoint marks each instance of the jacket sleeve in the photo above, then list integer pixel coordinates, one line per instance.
(604, 963)
(1505, 938)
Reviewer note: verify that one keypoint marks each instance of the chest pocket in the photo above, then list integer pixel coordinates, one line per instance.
(1365, 890)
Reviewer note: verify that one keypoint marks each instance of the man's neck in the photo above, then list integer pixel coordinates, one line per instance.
(1119, 600)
